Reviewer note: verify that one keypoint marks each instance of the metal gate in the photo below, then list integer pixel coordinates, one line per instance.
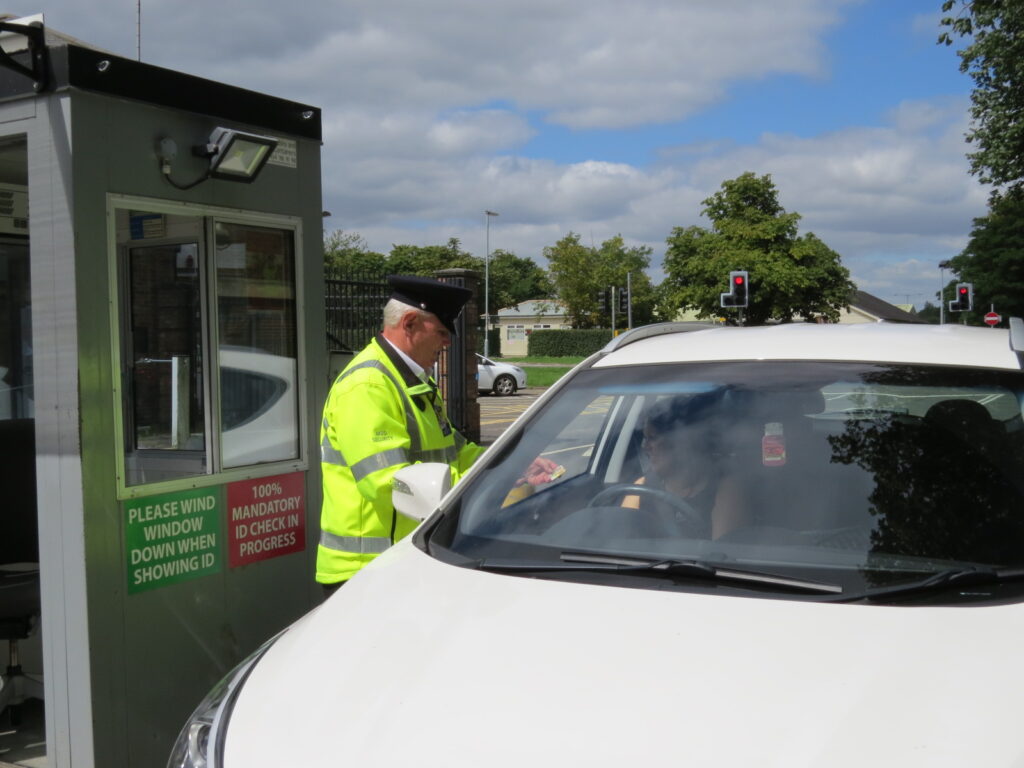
(355, 306)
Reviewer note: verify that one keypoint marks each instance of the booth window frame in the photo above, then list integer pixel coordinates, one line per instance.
(214, 472)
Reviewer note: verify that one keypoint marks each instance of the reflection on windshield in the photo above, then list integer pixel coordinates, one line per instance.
(859, 474)
(944, 484)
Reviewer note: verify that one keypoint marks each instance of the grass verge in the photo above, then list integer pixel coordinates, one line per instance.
(569, 361)
(546, 376)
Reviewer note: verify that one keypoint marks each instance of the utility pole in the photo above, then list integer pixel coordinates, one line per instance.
(629, 300)
(943, 265)
(487, 286)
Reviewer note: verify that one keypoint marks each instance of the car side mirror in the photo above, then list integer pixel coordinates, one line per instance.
(416, 490)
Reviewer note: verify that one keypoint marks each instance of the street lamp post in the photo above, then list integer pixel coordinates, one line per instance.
(487, 286)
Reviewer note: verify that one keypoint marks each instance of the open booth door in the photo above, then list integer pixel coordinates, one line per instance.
(22, 725)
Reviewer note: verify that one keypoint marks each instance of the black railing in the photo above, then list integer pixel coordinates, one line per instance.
(355, 308)
(457, 367)
(355, 305)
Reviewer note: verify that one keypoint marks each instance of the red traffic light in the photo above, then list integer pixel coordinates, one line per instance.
(737, 295)
(964, 300)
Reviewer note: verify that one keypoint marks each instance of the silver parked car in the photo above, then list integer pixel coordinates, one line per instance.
(499, 378)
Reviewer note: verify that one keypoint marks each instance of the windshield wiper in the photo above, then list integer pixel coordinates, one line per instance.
(951, 577)
(587, 561)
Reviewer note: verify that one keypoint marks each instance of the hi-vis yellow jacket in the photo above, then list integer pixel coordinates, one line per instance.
(379, 417)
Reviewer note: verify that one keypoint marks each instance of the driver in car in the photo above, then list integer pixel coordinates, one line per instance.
(683, 447)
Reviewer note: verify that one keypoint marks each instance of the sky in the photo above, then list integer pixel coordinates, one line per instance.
(600, 117)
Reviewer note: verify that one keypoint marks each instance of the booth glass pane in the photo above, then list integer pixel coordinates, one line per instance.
(16, 400)
(166, 411)
(256, 329)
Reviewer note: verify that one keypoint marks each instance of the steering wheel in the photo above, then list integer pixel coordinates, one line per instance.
(689, 515)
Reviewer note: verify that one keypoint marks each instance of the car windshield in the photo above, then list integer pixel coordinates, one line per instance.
(860, 475)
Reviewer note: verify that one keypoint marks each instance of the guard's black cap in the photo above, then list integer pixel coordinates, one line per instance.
(442, 299)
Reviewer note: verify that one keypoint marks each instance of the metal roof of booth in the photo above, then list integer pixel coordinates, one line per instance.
(52, 61)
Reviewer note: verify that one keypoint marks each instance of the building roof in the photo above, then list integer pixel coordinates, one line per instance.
(534, 308)
(863, 303)
(882, 310)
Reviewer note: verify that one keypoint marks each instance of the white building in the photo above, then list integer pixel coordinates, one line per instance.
(518, 322)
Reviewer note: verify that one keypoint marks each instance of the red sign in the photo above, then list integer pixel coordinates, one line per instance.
(266, 518)
(993, 318)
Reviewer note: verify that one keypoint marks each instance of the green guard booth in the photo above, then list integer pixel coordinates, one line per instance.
(162, 371)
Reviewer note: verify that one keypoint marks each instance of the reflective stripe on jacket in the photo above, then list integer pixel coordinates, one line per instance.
(379, 417)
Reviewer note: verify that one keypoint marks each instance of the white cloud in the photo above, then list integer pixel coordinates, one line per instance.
(588, 63)
(892, 200)
(428, 107)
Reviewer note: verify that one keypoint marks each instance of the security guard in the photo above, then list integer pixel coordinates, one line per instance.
(383, 413)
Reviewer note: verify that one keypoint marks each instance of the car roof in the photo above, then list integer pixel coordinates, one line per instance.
(871, 342)
(257, 361)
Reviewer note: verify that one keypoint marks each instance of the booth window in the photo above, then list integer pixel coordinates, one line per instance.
(256, 332)
(209, 345)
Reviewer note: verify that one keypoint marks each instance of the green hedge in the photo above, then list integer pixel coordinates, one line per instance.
(568, 343)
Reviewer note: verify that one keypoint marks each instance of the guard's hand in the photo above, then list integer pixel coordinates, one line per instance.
(542, 471)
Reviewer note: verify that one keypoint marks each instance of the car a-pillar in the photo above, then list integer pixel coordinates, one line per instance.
(163, 366)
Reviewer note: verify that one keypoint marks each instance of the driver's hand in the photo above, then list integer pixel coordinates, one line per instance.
(632, 501)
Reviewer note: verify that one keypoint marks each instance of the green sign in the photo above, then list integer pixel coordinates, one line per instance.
(172, 537)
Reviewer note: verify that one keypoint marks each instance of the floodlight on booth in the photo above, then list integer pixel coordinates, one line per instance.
(237, 155)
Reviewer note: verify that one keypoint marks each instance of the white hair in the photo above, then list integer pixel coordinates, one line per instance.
(395, 310)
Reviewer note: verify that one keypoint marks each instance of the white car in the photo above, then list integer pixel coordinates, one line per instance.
(499, 378)
(259, 409)
(843, 588)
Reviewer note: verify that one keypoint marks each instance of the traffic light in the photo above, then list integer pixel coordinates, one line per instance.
(604, 303)
(623, 301)
(964, 300)
(737, 295)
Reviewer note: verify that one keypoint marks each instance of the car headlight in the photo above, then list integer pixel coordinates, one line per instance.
(201, 742)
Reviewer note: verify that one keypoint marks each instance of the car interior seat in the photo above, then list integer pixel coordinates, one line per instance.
(20, 604)
(965, 420)
(967, 429)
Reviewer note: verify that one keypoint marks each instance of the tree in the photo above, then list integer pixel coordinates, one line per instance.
(994, 259)
(426, 260)
(995, 29)
(790, 276)
(578, 272)
(514, 279)
(929, 313)
(349, 252)
(624, 267)
(573, 270)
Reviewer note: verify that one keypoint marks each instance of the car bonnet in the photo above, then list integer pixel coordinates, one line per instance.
(419, 662)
